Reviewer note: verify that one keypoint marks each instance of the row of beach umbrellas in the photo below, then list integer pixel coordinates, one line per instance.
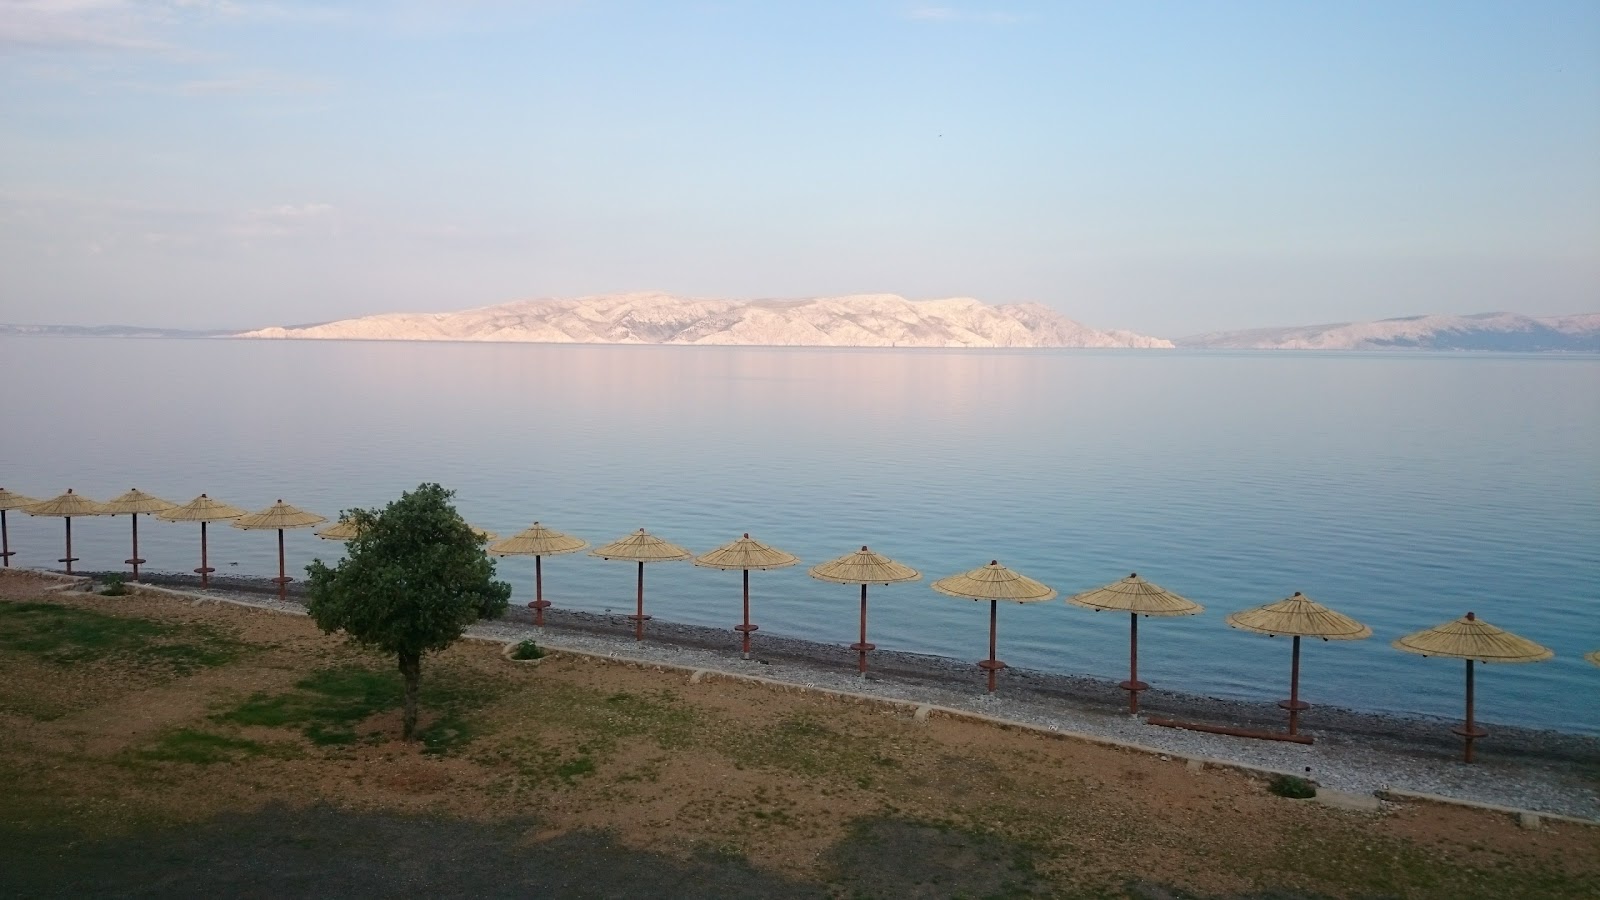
(1467, 638)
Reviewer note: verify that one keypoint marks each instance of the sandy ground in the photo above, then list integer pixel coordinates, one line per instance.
(589, 777)
(1355, 752)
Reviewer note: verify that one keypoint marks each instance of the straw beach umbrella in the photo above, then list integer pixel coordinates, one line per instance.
(745, 554)
(135, 502)
(346, 530)
(67, 506)
(864, 567)
(1299, 616)
(1136, 597)
(204, 510)
(1471, 638)
(538, 542)
(342, 530)
(993, 583)
(1593, 656)
(641, 547)
(277, 517)
(8, 500)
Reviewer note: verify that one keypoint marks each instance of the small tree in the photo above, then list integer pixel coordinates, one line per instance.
(412, 580)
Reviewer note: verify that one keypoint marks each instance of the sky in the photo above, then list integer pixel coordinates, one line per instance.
(1169, 168)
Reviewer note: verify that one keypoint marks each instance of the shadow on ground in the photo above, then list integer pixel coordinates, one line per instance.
(328, 853)
(322, 852)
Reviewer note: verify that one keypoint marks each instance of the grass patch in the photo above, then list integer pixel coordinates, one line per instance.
(188, 745)
(65, 635)
(527, 650)
(328, 705)
(1293, 787)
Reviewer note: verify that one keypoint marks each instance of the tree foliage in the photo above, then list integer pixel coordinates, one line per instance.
(411, 582)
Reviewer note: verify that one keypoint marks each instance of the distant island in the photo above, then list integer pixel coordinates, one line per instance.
(1485, 331)
(876, 320)
(863, 320)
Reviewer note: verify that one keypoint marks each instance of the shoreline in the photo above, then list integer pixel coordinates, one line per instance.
(1354, 752)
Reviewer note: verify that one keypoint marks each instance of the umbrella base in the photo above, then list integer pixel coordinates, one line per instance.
(747, 628)
(1294, 705)
(282, 579)
(639, 618)
(203, 570)
(135, 561)
(1470, 733)
(69, 559)
(1134, 686)
(991, 665)
(539, 604)
(862, 648)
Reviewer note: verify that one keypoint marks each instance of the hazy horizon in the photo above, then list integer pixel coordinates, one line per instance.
(1167, 169)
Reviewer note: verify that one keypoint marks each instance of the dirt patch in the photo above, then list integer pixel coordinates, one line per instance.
(679, 788)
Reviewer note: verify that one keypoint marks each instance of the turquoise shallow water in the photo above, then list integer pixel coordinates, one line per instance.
(1403, 489)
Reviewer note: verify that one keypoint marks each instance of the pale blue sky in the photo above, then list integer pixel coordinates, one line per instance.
(1165, 167)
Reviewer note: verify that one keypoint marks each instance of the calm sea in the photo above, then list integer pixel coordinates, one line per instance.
(1403, 489)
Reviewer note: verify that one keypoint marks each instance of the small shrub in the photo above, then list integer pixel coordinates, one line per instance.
(1293, 787)
(116, 586)
(527, 650)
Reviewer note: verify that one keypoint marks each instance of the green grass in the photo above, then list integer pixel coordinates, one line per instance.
(328, 705)
(527, 650)
(65, 636)
(188, 745)
(1293, 787)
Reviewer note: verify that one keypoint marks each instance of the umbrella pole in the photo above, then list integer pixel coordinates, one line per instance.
(991, 664)
(638, 619)
(1470, 732)
(135, 561)
(538, 603)
(862, 647)
(1133, 685)
(204, 570)
(1294, 704)
(5, 540)
(283, 580)
(69, 557)
(746, 628)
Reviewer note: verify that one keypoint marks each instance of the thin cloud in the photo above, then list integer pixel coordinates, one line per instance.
(951, 14)
(131, 25)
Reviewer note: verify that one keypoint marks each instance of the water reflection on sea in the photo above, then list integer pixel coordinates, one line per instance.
(1403, 489)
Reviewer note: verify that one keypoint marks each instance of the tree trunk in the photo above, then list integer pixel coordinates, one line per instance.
(411, 668)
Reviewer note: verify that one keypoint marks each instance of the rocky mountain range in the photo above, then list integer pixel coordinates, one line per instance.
(1486, 331)
(864, 320)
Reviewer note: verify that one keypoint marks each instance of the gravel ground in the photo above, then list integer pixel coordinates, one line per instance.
(1354, 752)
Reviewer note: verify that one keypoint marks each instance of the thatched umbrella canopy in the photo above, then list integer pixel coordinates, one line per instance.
(1136, 597)
(1299, 616)
(1472, 639)
(277, 517)
(483, 535)
(863, 567)
(1593, 656)
(745, 554)
(136, 502)
(994, 583)
(641, 547)
(68, 506)
(342, 530)
(538, 542)
(8, 500)
(204, 510)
